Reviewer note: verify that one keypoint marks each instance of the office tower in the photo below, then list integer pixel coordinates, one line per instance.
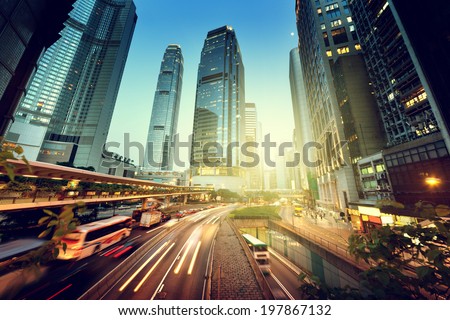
(337, 186)
(71, 99)
(218, 129)
(410, 90)
(363, 129)
(252, 139)
(26, 29)
(164, 119)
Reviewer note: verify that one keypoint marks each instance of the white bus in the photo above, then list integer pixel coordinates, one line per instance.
(259, 251)
(93, 237)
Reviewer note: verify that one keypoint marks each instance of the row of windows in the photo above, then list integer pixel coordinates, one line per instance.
(369, 170)
(430, 151)
(96, 234)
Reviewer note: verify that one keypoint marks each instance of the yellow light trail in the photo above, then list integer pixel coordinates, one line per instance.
(191, 266)
(177, 269)
(153, 268)
(142, 267)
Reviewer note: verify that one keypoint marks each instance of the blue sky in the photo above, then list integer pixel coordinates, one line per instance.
(266, 32)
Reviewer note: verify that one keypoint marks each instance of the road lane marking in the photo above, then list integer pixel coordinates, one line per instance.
(191, 266)
(286, 292)
(215, 220)
(142, 267)
(151, 230)
(135, 238)
(153, 268)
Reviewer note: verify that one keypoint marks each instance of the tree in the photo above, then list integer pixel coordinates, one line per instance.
(408, 262)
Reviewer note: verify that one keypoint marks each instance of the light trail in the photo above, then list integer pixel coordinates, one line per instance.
(153, 268)
(142, 267)
(191, 266)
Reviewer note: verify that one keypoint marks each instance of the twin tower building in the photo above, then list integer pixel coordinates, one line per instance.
(219, 118)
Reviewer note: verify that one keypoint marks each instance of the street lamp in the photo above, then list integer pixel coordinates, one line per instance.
(432, 181)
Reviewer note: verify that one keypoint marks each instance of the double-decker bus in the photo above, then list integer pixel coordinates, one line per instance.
(259, 251)
(93, 237)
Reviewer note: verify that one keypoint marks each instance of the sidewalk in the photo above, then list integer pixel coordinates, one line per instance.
(327, 232)
(232, 275)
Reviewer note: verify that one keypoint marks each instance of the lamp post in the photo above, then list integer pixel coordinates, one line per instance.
(433, 181)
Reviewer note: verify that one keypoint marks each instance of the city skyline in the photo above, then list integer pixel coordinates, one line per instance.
(267, 84)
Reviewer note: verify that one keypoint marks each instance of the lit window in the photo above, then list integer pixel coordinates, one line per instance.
(329, 53)
(343, 50)
(336, 23)
(349, 19)
(358, 46)
(322, 26)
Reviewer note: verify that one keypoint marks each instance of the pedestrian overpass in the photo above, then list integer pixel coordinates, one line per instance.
(39, 170)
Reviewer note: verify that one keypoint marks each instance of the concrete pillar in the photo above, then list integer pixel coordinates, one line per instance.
(167, 201)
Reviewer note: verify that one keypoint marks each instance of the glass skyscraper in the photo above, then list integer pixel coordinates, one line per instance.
(71, 99)
(26, 29)
(166, 105)
(219, 113)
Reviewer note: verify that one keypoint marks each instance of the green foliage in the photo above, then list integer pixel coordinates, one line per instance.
(408, 262)
(10, 153)
(227, 194)
(269, 212)
(315, 289)
(266, 196)
(57, 225)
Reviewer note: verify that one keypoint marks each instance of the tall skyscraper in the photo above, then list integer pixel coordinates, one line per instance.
(254, 171)
(26, 29)
(71, 99)
(219, 113)
(337, 186)
(166, 104)
(409, 84)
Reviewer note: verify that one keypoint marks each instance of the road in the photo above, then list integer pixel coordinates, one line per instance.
(177, 266)
(282, 280)
(189, 244)
(174, 268)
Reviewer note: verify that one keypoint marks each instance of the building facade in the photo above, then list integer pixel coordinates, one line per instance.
(219, 124)
(26, 29)
(409, 91)
(166, 105)
(254, 173)
(71, 98)
(335, 177)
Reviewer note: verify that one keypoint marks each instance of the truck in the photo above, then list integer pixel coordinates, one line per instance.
(149, 218)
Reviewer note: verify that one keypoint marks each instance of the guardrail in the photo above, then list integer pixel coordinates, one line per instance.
(328, 245)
